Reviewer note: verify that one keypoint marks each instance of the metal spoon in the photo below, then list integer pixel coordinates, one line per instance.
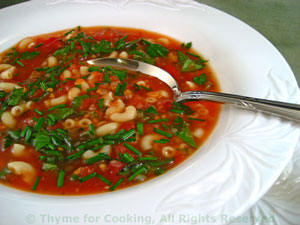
(283, 109)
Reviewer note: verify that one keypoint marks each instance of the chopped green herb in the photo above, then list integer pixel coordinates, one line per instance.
(49, 166)
(162, 141)
(151, 109)
(57, 107)
(29, 55)
(156, 50)
(186, 135)
(104, 179)
(62, 113)
(149, 158)
(15, 96)
(192, 118)
(61, 176)
(112, 188)
(139, 171)
(94, 174)
(100, 103)
(140, 128)
(97, 158)
(133, 149)
(158, 120)
(120, 89)
(36, 183)
(38, 112)
(180, 108)
(164, 133)
(201, 79)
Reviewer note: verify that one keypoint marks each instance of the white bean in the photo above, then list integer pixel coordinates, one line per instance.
(73, 93)
(129, 114)
(8, 119)
(52, 61)
(26, 43)
(84, 70)
(113, 54)
(123, 55)
(24, 169)
(108, 128)
(66, 74)
(163, 41)
(191, 84)
(18, 150)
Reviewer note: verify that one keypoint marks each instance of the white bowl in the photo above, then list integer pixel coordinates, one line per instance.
(233, 169)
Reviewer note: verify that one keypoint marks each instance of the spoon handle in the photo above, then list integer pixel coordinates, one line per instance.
(288, 110)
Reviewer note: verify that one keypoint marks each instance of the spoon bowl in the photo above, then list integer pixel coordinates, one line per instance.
(286, 110)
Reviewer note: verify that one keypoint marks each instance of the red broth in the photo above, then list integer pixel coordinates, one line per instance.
(68, 128)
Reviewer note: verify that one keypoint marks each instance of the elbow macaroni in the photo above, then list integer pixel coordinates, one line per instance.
(24, 169)
(129, 114)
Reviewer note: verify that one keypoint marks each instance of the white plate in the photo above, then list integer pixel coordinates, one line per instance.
(241, 160)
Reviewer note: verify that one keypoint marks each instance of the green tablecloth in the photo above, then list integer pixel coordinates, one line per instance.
(277, 20)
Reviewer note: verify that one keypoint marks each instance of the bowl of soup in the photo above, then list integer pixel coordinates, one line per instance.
(87, 144)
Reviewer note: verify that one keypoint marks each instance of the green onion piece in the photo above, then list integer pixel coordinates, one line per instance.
(140, 128)
(160, 163)
(37, 180)
(75, 155)
(72, 79)
(192, 118)
(161, 141)
(92, 129)
(28, 134)
(38, 112)
(128, 158)
(164, 133)
(126, 135)
(92, 89)
(57, 107)
(120, 89)
(61, 176)
(88, 177)
(147, 89)
(104, 179)
(112, 188)
(148, 158)
(51, 119)
(100, 103)
(39, 124)
(133, 149)
(97, 158)
(139, 171)
(23, 133)
(21, 64)
(158, 121)
(39, 45)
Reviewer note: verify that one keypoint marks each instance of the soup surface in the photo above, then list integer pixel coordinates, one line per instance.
(68, 128)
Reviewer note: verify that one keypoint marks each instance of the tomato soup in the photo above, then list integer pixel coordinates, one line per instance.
(69, 128)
